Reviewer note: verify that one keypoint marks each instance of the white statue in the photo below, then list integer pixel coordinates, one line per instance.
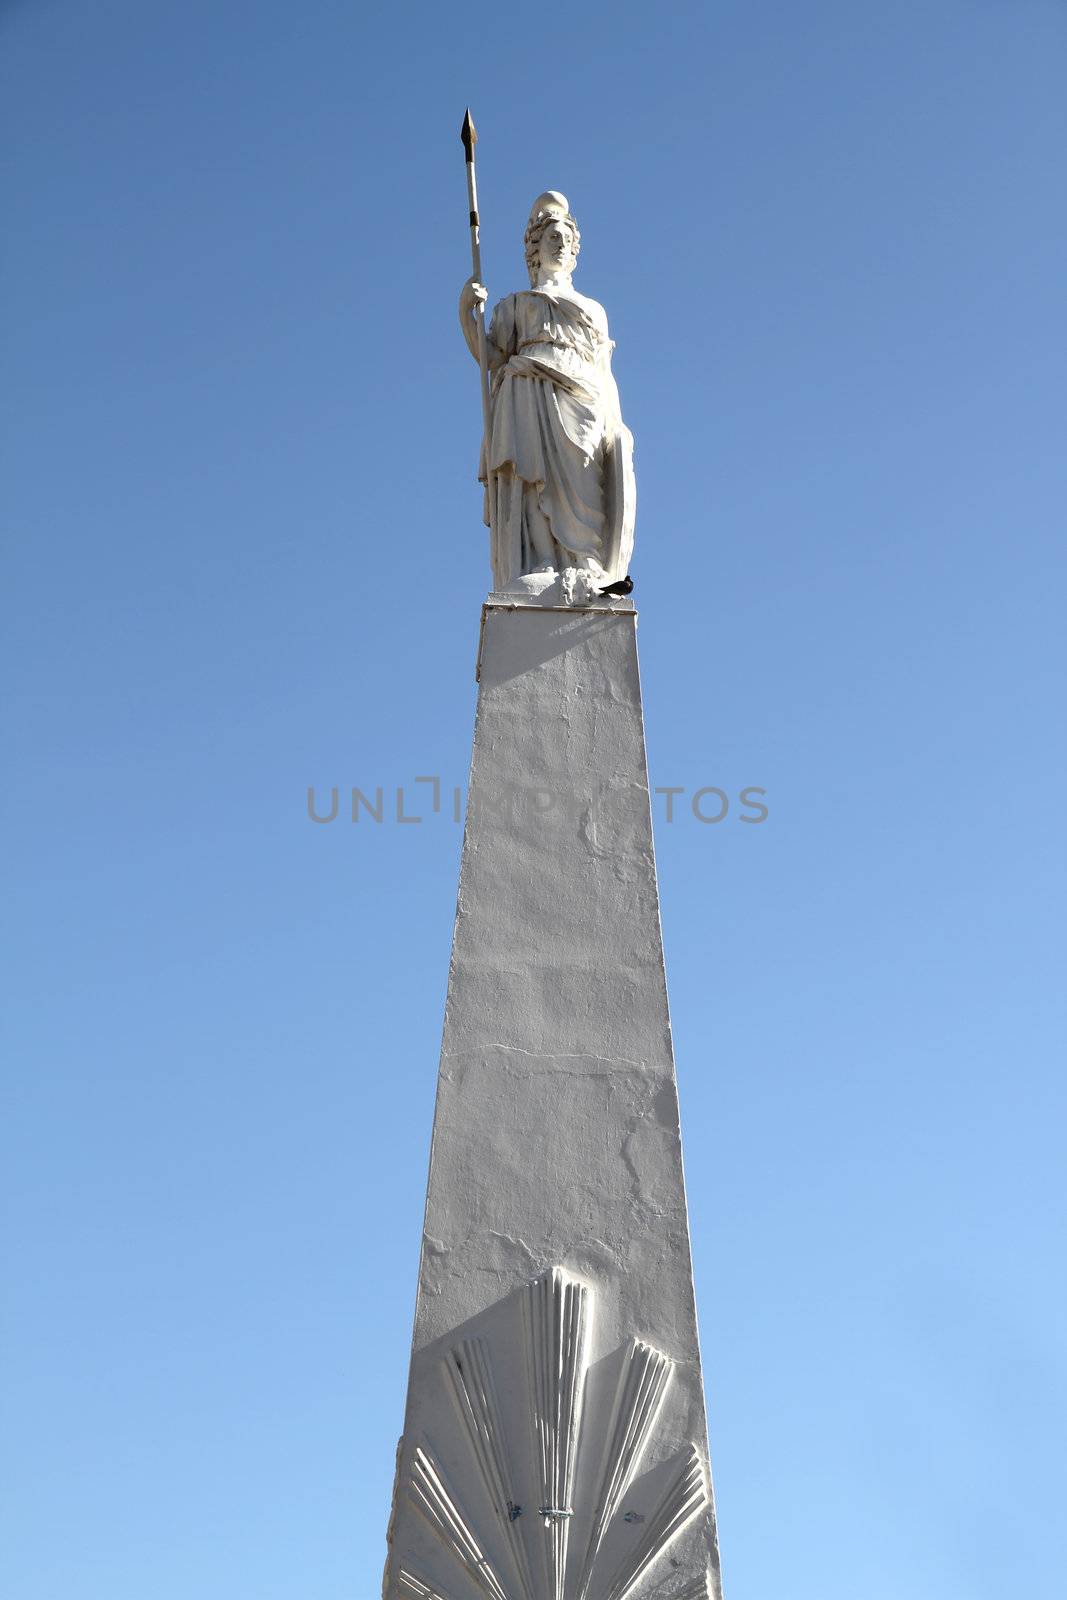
(558, 460)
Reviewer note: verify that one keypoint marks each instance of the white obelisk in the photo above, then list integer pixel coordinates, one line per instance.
(554, 1444)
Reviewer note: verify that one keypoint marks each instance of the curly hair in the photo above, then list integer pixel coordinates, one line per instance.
(534, 232)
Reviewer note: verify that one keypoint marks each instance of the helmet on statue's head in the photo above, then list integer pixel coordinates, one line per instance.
(549, 204)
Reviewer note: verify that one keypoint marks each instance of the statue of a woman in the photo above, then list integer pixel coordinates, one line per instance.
(558, 463)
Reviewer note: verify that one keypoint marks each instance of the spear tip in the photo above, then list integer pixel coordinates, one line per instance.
(469, 134)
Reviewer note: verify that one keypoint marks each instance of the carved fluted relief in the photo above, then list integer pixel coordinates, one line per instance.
(685, 1495)
(699, 1589)
(412, 1588)
(557, 1311)
(438, 1506)
(555, 1308)
(643, 1382)
(470, 1378)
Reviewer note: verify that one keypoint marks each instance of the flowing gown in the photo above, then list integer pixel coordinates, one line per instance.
(559, 469)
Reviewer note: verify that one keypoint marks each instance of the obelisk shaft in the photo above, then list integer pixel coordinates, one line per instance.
(555, 1354)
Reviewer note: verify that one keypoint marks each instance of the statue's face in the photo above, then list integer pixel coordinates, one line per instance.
(556, 247)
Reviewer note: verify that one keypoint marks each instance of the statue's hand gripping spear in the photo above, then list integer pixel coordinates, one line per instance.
(469, 137)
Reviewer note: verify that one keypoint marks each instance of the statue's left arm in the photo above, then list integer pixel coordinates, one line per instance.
(620, 488)
(610, 390)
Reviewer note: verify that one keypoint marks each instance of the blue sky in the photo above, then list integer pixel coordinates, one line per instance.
(245, 555)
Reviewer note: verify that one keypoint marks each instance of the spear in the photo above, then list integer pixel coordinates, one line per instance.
(469, 136)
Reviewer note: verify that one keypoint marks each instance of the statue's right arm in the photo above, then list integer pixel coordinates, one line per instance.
(471, 296)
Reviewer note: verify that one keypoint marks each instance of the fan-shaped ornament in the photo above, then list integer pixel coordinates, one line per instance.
(557, 1311)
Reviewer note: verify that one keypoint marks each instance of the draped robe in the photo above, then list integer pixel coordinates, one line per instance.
(559, 466)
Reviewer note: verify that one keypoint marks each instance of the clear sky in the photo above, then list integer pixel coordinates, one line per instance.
(245, 555)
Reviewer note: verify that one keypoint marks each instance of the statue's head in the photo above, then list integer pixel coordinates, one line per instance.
(552, 238)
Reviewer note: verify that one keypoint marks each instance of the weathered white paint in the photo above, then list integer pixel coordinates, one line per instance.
(556, 1163)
